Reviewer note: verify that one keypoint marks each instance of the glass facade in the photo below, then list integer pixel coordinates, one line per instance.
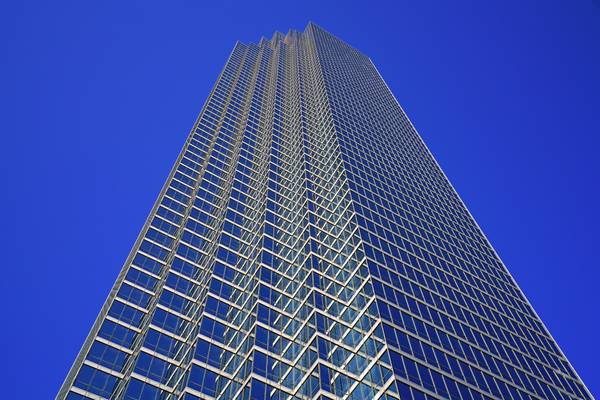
(307, 245)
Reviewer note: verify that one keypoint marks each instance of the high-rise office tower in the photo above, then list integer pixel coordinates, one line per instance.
(306, 245)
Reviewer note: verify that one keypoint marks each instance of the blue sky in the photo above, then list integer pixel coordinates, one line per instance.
(97, 99)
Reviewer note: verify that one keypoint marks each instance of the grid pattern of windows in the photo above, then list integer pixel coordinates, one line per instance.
(306, 245)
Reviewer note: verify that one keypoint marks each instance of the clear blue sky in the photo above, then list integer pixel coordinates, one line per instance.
(98, 97)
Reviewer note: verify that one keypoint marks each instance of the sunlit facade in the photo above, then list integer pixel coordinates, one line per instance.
(306, 245)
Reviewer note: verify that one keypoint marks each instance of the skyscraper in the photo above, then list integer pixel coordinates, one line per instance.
(307, 245)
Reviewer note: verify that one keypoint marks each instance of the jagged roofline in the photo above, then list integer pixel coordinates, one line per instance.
(279, 36)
